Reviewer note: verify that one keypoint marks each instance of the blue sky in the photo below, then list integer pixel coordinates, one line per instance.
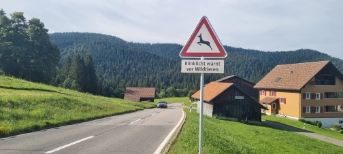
(267, 25)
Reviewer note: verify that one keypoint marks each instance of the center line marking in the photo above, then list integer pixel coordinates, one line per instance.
(135, 121)
(70, 144)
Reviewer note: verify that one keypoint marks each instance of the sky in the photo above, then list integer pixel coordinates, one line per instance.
(266, 25)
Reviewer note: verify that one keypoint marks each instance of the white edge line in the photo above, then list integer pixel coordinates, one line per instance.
(165, 141)
(70, 144)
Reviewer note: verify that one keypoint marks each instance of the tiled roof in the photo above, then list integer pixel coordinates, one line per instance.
(268, 100)
(135, 93)
(212, 90)
(290, 76)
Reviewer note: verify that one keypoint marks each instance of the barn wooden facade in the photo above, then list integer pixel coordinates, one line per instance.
(246, 86)
(228, 101)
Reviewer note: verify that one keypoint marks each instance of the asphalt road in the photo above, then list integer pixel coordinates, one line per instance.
(140, 132)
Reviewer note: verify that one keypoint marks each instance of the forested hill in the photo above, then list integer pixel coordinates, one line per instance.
(240, 54)
(121, 65)
(158, 65)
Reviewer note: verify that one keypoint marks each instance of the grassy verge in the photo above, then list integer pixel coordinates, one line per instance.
(311, 128)
(27, 106)
(233, 137)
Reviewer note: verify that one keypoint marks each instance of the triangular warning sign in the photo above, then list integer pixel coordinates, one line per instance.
(203, 43)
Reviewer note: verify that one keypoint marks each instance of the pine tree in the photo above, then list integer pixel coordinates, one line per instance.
(66, 67)
(91, 81)
(76, 79)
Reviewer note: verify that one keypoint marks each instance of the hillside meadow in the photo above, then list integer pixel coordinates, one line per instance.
(27, 106)
(221, 136)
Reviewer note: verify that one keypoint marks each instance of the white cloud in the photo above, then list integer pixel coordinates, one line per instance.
(269, 25)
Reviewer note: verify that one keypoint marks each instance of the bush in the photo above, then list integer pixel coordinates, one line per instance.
(319, 124)
(336, 127)
(301, 120)
(4, 131)
(309, 122)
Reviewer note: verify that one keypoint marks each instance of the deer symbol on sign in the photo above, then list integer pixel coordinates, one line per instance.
(204, 42)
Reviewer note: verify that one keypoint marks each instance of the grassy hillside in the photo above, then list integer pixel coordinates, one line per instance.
(27, 106)
(222, 136)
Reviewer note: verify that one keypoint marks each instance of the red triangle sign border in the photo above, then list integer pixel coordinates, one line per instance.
(222, 52)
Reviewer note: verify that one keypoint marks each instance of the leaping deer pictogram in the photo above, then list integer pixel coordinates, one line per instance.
(204, 42)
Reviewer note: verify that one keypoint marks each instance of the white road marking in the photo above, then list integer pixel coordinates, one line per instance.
(135, 121)
(153, 114)
(70, 144)
(165, 141)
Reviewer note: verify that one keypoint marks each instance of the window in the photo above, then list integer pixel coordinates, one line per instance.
(308, 96)
(263, 93)
(274, 106)
(272, 93)
(317, 96)
(339, 94)
(277, 80)
(308, 109)
(317, 109)
(282, 100)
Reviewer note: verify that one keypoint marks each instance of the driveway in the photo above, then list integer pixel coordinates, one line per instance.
(303, 132)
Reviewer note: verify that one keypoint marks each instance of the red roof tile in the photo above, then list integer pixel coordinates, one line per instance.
(290, 76)
(212, 90)
(268, 100)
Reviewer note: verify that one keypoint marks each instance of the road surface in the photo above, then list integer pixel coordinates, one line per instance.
(140, 132)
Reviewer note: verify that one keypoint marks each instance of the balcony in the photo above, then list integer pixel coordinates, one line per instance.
(333, 108)
(334, 95)
(325, 80)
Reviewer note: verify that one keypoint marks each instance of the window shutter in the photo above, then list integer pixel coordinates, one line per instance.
(260, 92)
(304, 109)
(321, 96)
(270, 93)
(313, 109)
(284, 100)
(321, 109)
(313, 95)
(304, 95)
(275, 93)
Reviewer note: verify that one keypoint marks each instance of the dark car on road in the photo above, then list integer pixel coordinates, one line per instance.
(162, 104)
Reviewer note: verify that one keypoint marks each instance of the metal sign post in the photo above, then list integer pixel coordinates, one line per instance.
(203, 43)
(201, 110)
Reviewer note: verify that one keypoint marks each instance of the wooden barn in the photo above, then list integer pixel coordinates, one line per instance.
(226, 100)
(140, 94)
(246, 86)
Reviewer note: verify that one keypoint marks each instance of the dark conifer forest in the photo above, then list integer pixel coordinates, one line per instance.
(105, 65)
(121, 64)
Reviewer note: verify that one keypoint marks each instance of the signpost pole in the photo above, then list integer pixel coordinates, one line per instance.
(211, 48)
(201, 110)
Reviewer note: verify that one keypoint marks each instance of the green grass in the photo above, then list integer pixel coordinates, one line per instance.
(185, 100)
(173, 99)
(294, 123)
(27, 106)
(222, 136)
